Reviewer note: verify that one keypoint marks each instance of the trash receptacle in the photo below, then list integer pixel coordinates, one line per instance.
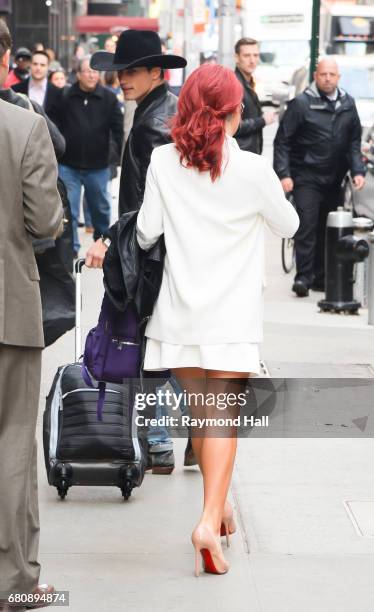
(362, 227)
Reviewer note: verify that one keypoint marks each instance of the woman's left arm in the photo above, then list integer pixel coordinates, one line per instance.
(150, 225)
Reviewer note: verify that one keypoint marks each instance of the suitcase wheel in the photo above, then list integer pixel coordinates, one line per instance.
(126, 489)
(62, 489)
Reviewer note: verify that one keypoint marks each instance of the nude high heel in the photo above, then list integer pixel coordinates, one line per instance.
(207, 544)
(228, 525)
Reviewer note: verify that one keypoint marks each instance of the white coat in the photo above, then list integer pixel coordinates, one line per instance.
(212, 287)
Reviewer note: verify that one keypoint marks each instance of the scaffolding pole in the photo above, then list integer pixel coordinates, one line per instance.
(314, 41)
(226, 20)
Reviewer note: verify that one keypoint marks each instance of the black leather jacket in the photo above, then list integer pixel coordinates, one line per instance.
(318, 141)
(249, 134)
(151, 129)
(131, 274)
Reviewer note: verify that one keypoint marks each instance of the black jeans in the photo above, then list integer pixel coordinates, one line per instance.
(313, 204)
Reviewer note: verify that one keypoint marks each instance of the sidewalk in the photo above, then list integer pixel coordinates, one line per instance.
(296, 547)
(299, 340)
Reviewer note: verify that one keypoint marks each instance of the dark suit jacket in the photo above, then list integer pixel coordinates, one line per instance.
(51, 101)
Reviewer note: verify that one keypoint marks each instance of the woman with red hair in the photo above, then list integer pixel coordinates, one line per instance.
(212, 202)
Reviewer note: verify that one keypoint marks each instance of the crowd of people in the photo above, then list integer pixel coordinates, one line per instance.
(193, 169)
(305, 147)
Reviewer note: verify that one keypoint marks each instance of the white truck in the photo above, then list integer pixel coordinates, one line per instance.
(347, 29)
(283, 29)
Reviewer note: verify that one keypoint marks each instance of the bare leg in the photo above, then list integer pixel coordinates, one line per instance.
(193, 380)
(219, 448)
(215, 455)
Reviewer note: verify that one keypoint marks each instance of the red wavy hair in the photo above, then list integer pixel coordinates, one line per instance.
(210, 94)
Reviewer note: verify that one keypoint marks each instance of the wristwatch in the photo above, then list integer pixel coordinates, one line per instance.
(106, 240)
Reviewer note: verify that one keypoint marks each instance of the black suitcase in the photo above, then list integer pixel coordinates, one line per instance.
(78, 448)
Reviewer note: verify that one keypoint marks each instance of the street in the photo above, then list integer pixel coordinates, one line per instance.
(296, 548)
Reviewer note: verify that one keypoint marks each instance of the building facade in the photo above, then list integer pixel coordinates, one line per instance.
(49, 22)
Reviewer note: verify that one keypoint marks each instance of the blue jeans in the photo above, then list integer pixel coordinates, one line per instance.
(95, 183)
(158, 437)
(86, 213)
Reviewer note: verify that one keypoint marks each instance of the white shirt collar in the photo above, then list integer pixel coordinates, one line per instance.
(334, 96)
(39, 84)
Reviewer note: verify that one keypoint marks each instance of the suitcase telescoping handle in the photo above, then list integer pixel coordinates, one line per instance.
(78, 308)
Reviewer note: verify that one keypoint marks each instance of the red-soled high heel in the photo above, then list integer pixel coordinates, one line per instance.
(228, 526)
(207, 544)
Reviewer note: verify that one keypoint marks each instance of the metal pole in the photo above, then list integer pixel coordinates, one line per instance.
(226, 20)
(188, 33)
(314, 41)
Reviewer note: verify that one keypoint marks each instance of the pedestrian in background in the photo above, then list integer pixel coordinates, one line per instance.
(110, 45)
(110, 80)
(58, 78)
(211, 202)
(317, 143)
(249, 135)
(37, 87)
(51, 54)
(30, 208)
(21, 71)
(38, 46)
(141, 64)
(89, 114)
(21, 100)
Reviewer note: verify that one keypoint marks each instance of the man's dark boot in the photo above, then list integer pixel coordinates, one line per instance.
(162, 462)
(318, 284)
(300, 288)
(189, 455)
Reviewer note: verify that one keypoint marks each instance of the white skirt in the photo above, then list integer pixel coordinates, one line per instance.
(231, 357)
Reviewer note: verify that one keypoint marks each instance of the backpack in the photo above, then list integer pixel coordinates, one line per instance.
(113, 349)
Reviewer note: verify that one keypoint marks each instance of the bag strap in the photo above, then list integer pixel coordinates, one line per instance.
(101, 386)
(101, 400)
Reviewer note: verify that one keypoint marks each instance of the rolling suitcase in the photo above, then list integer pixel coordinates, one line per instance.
(79, 449)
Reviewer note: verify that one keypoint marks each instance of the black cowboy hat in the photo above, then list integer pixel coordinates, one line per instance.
(136, 48)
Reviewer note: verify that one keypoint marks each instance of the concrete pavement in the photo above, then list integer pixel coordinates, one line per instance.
(297, 546)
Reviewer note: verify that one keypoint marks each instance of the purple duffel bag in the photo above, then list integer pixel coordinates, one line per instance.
(112, 349)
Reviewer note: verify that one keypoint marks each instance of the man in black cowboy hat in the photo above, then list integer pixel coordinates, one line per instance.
(140, 65)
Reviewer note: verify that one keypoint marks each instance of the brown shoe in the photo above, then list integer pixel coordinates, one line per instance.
(89, 229)
(41, 589)
(189, 455)
(161, 463)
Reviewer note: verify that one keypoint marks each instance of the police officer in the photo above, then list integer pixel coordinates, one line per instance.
(317, 143)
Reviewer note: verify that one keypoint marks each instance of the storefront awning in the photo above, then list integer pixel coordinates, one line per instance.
(102, 24)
